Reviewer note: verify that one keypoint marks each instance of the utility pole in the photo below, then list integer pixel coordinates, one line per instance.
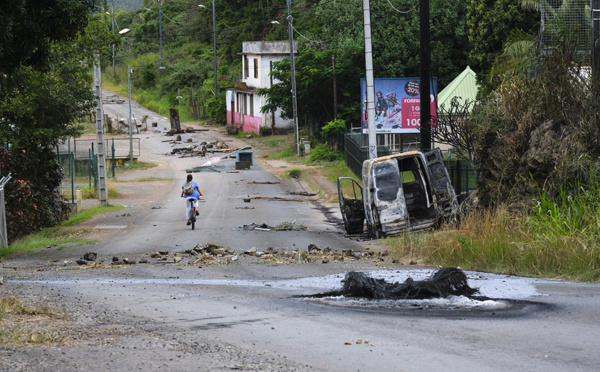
(214, 45)
(425, 104)
(370, 81)
(113, 31)
(102, 190)
(294, 102)
(130, 130)
(334, 88)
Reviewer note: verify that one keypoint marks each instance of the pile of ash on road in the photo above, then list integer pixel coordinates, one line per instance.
(443, 283)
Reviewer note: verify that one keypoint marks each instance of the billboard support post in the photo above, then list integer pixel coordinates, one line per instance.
(425, 83)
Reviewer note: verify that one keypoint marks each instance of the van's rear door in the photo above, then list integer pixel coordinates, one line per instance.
(441, 183)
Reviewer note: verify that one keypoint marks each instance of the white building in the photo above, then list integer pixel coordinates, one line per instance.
(243, 104)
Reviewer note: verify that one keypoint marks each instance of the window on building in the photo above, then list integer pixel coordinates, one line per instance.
(246, 68)
(256, 68)
(251, 102)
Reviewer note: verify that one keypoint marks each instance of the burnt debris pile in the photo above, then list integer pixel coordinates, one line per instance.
(444, 282)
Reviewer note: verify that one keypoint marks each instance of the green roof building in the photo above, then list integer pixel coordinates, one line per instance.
(464, 87)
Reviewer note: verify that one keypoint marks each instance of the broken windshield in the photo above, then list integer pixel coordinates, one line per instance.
(387, 180)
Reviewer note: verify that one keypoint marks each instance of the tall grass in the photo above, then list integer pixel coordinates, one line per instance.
(559, 238)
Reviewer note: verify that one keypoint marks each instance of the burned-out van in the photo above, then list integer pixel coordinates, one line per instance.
(402, 192)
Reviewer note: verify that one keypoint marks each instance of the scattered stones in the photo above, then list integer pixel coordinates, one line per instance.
(143, 261)
(154, 255)
(115, 259)
(313, 248)
(164, 253)
(127, 261)
(251, 251)
(81, 262)
(1, 280)
(90, 256)
(177, 259)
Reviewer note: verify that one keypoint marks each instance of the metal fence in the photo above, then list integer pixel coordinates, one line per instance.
(561, 17)
(120, 147)
(356, 151)
(79, 161)
(464, 178)
(3, 232)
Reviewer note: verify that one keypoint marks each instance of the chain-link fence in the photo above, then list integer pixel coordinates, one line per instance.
(79, 162)
(572, 18)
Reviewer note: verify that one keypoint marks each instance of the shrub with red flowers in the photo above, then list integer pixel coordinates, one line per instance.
(31, 197)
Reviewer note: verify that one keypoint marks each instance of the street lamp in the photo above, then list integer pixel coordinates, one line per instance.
(214, 42)
(293, 68)
(129, 71)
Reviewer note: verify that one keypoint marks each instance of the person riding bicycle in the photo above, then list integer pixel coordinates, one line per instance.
(191, 192)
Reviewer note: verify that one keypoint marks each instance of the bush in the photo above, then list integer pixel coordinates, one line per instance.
(217, 108)
(322, 153)
(31, 197)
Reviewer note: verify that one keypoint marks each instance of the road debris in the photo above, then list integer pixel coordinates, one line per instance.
(90, 256)
(443, 283)
(279, 198)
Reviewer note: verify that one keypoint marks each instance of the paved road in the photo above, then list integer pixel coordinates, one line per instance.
(249, 314)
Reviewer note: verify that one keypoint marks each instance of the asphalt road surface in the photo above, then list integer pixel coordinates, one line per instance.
(243, 312)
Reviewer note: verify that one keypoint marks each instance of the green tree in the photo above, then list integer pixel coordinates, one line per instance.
(38, 108)
(314, 85)
(396, 33)
(490, 23)
(27, 28)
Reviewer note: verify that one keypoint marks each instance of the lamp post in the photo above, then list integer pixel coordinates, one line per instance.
(130, 131)
(214, 42)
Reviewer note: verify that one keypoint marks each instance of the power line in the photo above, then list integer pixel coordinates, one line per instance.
(401, 11)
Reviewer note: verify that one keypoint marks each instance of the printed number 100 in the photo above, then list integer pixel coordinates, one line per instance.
(413, 122)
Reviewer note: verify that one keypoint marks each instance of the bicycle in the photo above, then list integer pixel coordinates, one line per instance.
(192, 211)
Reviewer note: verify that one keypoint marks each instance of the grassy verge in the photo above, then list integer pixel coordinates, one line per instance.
(24, 325)
(135, 165)
(62, 236)
(501, 241)
(86, 214)
(147, 179)
(91, 193)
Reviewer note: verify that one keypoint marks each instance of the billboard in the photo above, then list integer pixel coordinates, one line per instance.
(397, 105)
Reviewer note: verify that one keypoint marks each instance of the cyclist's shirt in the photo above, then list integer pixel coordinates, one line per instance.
(195, 193)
